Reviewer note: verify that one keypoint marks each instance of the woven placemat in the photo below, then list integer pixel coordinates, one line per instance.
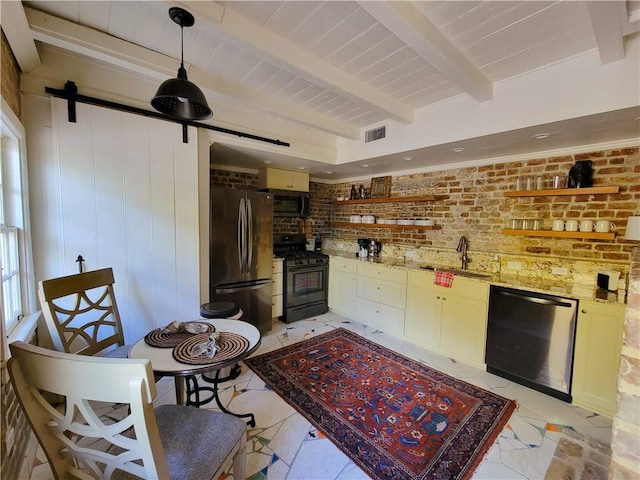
(161, 339)
(229, 346)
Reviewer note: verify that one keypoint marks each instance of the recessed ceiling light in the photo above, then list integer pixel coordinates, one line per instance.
(407, 159)
(541, 136)
(328, 172)
(365, 165)
(302, 168)
(458, 149)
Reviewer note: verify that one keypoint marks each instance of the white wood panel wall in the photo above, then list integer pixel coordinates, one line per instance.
(122, 191)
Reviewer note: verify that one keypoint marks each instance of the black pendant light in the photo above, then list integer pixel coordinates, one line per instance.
(178, 97)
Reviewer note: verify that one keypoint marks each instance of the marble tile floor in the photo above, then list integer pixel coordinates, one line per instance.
(284, 445)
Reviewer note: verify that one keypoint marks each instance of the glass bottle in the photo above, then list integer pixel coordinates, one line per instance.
(353, 195)
(361, 191)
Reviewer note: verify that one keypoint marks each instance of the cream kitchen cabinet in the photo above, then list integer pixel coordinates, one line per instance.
(283, 180)
(277, 288)
(381, 297)
(342, 286)
(597, 356)
(451, 320)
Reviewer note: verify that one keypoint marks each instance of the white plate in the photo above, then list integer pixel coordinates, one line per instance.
(422, 223)
(406, 222)
(391, 222)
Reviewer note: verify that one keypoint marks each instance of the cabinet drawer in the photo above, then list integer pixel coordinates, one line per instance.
(343, 265)
(382, 291)
(276, 288)
(277, 266)
(276, 306)
(380, 271)
(384, 317)
(472, 289)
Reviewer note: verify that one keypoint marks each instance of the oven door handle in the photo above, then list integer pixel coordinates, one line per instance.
(307, 268)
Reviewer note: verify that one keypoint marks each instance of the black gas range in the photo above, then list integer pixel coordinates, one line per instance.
(293, 246)
(305, 277)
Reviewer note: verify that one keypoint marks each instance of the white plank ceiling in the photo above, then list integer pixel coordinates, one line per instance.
(341, 66)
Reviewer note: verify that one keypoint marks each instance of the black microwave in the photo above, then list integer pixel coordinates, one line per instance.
(290, 204)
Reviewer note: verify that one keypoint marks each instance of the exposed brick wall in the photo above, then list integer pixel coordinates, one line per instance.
(10, 75)
(12, 416)
(471, 203)
(228, 179)
(625, 445)
(249, 181)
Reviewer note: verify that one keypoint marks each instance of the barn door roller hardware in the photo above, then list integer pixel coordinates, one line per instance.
(70, 93)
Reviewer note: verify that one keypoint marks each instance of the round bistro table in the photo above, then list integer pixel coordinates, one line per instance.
(164, 364)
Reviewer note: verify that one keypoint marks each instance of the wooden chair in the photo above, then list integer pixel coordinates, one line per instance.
(171, 442)
(82, 315)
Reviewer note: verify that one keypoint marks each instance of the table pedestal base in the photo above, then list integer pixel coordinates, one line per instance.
(194, 389)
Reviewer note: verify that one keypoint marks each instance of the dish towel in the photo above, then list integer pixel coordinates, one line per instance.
(444, 279)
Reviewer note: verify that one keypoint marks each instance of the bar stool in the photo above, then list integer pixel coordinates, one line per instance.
(216, 310)
(221, 310)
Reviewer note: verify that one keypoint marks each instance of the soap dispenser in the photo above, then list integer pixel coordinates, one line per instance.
(495, 267)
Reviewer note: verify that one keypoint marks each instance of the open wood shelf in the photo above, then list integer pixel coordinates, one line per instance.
(384, 225)
(563, 191)
(563, 234)
(422, 198)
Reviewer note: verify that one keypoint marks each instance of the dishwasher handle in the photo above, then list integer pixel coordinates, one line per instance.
(542, 301)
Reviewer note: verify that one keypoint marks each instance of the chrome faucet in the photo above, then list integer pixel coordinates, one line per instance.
(462, 247)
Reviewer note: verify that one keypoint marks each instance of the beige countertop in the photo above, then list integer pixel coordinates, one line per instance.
(563, 286)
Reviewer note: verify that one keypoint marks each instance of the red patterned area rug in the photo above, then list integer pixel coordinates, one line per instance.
(392, 416)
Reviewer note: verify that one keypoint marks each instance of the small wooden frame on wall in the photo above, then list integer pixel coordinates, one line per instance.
(381, 187)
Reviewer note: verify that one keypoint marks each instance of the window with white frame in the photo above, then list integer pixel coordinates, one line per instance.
(16, 295)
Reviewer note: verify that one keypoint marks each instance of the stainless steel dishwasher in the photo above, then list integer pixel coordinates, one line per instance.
(530, 339)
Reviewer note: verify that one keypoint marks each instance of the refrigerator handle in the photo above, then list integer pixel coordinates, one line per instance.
(249, 234)
(240, 235)
(243, 288)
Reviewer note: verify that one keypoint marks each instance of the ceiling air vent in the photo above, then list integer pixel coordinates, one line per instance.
(375, 134)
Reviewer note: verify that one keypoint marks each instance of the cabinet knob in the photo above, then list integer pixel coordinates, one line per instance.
(444, 299)
(583, 311)
(438, 297)
(378, 288)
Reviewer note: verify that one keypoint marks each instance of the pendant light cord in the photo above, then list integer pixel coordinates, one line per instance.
(181, 44)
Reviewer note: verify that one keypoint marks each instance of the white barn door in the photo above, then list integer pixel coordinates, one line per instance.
(123, 193)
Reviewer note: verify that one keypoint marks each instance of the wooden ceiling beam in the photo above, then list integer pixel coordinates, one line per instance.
(409, 24)
(114, 51)
(16, 28)
(606, 22)
(256, 40)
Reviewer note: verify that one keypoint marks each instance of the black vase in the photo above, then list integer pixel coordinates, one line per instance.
(581, 174)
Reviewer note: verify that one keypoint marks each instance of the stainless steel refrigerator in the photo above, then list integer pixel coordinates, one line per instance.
(241, 252)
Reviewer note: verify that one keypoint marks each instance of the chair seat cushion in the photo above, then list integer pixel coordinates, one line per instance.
(196, 442)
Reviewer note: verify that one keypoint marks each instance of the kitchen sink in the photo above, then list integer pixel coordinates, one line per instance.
(457, 271)
(465, 273)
